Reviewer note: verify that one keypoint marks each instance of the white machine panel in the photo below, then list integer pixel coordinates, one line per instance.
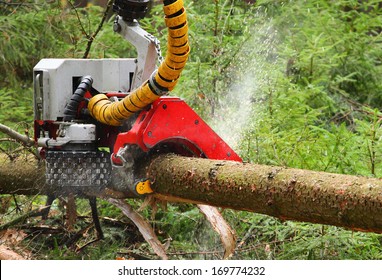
(55, 81)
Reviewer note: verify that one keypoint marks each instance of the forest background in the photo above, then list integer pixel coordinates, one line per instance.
(286, 83)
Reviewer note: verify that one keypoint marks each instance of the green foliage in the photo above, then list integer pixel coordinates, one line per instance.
(262, 237)
(26, 37)
(47, 30)
(311, 116)
(336, 45)
(15, 107)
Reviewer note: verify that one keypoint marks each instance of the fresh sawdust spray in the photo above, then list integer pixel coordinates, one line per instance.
(252, 71)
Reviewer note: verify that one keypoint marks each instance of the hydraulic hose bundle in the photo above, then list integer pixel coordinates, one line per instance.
(71, 108)
(161, 81)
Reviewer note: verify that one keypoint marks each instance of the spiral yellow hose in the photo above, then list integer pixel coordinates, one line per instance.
(160, 82)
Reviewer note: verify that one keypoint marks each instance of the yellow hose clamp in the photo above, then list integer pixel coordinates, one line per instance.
(178, 32)
(177, 21)
(178, 41)
(155, 86)
(185, 49)
(169, 74)
(146, 94)
(175, 65)
(166, 84)
(173, 8)
(176, 57)
(94, 100)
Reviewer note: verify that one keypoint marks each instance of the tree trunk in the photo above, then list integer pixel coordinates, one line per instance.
(289, 194)
(22, 176)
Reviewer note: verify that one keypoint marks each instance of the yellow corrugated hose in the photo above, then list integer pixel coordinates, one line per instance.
(160, 82)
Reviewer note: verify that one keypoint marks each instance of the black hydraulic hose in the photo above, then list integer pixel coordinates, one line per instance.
(71, 108)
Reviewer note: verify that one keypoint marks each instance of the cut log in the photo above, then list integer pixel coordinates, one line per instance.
(289, 194)
(286, 193)
(22, 176)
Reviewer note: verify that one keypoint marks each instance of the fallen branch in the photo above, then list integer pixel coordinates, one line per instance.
(143, 226)
(23, 139)
(79, 249)
(22, 218)
(8, 254)
(220, 225)
(216, 252)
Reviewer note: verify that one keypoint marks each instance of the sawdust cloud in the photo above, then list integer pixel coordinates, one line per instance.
(238, 104)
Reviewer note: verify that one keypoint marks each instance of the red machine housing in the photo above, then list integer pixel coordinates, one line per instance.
(172, 122)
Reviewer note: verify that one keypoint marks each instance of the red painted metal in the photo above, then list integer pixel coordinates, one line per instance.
(171, 121)
(116, 94)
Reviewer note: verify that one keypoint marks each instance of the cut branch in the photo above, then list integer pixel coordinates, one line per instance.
(23, 139)
(143, 226)
(220, 225)
(22, 218)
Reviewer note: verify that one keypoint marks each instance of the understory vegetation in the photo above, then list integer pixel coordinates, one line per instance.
(286, 83)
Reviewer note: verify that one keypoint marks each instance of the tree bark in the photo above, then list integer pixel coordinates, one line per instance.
(22, 176)
(289, 194)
